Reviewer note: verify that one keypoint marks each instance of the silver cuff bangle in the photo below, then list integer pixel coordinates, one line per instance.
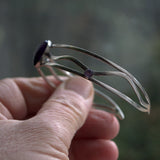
(44, 58)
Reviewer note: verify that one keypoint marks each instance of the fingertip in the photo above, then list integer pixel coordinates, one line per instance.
(80, 86)
(116, 127)
(108, 122)
(112, 124)
(112, 150)
(99, 124)
(93, 149)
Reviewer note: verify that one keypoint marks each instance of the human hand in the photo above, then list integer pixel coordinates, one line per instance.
(40, 123)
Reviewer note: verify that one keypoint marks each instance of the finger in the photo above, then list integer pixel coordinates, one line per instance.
(68, 107)
(35, 92)
(5, 114)
(100, 125)
(93, 149)
(22, 96)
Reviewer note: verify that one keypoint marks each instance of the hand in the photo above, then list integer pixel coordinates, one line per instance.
(39, 123)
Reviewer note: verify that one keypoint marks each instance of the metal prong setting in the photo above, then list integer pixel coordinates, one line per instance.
(43, 58)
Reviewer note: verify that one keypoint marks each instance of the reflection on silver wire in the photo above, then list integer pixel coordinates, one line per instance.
(44, 58)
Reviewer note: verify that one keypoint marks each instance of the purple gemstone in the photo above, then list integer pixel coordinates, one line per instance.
(40, 52)
(88, 73)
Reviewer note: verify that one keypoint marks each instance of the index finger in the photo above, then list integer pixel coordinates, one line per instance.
(23, 97)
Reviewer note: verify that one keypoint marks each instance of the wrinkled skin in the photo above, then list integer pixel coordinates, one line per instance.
(40, 123)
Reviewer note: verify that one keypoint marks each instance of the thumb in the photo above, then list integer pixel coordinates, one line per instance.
(67, 108)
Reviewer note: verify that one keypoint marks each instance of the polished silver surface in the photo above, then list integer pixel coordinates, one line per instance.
(44, 58)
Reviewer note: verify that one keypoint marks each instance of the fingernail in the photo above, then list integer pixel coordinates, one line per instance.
(80, 85)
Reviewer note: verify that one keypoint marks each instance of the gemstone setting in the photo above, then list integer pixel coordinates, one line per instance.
(88, 73)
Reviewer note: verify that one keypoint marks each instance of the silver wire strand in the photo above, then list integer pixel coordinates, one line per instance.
(46, 59)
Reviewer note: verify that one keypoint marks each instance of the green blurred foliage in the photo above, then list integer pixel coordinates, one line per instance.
(126, 32)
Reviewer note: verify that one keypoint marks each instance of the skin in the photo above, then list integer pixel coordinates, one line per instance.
(40, 123)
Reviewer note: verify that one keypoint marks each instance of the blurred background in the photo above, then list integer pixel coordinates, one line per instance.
(126, 32)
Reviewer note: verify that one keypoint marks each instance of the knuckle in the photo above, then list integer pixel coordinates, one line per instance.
(71, 109)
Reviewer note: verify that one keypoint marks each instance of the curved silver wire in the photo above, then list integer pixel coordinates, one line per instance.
(44, 58)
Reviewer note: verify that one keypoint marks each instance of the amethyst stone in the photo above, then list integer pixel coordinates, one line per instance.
(40, 52)
(88, 73)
